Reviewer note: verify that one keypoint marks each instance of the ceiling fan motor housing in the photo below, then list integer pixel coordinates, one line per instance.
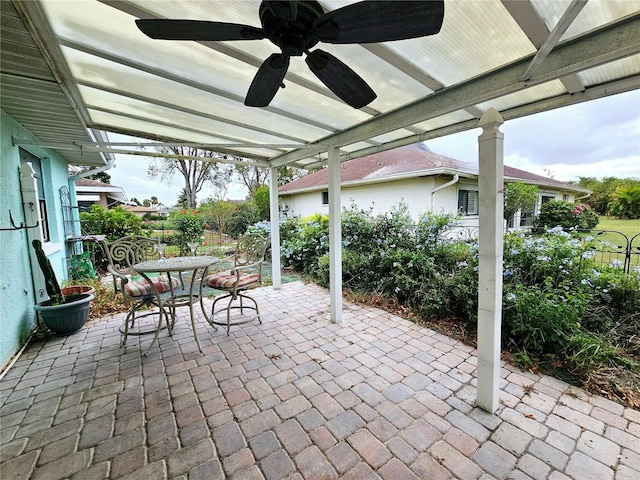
(290, 34)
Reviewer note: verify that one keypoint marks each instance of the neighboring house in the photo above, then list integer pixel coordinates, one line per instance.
(141, 210)
(92, 192)
(423, 180)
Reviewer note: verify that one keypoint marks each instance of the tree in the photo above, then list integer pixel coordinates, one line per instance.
(289, 174)
(197, 167)
(261, 199)
(252, 175)
(182, 201)
(601, 196)
(518, 196)
(218, 213)
(626, 202)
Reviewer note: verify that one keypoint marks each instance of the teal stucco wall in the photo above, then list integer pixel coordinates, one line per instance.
(17, 295)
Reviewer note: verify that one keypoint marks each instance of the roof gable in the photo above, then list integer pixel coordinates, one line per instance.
(409, 161)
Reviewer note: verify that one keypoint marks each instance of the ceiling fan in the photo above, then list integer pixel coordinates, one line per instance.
(297, 26)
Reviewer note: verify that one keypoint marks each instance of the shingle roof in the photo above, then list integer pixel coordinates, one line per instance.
(87, 182)
(412, 160)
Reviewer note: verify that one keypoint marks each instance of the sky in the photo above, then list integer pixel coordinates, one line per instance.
(599, 138)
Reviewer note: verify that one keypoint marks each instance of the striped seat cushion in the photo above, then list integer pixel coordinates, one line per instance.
(228, 281)
(141, 287)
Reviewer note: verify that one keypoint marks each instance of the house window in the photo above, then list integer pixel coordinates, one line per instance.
(325, 198)
(36, 164)
(547, 198)
(527, 217)
(468, 202)
(565, 197)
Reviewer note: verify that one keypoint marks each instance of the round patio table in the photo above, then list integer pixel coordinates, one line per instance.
(198, 266)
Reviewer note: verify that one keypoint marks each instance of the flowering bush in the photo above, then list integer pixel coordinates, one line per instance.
(566, 215)
(558, 302)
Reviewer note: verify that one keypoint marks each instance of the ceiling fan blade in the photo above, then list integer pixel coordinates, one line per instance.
(340, 79)
(380, 21)
(267, 81)
(198, 30)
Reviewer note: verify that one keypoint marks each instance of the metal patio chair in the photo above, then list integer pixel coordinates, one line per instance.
(245, 274)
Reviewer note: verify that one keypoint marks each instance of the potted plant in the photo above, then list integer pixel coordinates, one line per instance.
(62, 314)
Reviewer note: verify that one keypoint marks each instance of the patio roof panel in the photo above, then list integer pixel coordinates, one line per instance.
(531, 95)
(175, 82)
(591, 16)
(470, 42)
(624, 68)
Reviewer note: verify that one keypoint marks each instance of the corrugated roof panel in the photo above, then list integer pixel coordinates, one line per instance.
(462, 50)
(105, 102)
(444, 120)
(184, 88)
(593, 14)
(627, 67)
(165, 131)
(530, 95)
(100, 73)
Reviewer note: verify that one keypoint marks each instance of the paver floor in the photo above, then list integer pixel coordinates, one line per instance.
(297, 397)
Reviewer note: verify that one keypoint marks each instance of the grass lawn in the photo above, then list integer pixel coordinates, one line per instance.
(628, 227)
(615, 244)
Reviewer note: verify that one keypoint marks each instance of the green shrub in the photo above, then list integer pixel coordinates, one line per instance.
(188, 225)
(540, 319)
(566, 215)
(112, 223)
(310, 241)
(557, 302)
(247, 214)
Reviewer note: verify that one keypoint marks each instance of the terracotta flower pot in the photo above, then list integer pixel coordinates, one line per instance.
(77, 290)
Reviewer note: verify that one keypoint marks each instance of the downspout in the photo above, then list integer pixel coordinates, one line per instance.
(583, 196)
(108, 166)
(455, 179)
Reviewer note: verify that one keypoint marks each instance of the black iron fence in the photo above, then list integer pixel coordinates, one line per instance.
(609, 247)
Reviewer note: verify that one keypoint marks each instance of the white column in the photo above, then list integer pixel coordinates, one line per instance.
(491, 198)
(335, 236)
(275, 229)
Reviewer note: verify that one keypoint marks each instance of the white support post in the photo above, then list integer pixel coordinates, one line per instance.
(491, 198)
(275, 229)
(335, 235)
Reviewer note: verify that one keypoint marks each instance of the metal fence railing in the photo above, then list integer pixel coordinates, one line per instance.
(609, 247)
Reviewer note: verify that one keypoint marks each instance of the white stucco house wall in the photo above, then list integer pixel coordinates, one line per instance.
(420, 178)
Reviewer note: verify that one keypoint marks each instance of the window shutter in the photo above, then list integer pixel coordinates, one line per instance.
(472, 203)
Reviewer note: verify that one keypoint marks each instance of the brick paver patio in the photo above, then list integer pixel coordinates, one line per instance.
(297, 397)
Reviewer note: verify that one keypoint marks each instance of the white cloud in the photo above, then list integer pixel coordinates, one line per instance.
(599, 138)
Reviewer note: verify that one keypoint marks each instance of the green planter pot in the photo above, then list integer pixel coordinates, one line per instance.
(68, 317)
